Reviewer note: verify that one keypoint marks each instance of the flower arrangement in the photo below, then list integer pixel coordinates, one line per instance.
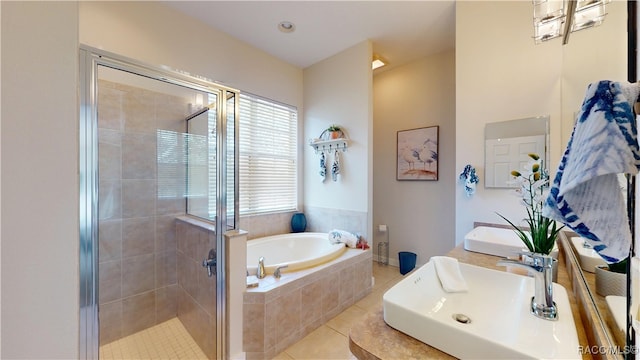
(543, 231)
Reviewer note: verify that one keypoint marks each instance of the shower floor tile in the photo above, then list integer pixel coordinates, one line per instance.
(168, 340)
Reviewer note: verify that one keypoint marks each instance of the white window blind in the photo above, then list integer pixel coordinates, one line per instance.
(267, 155)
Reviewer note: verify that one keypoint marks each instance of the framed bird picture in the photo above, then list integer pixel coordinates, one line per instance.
(417, 154)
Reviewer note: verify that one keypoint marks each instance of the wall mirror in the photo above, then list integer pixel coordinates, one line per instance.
(507, 145)
(579, 69)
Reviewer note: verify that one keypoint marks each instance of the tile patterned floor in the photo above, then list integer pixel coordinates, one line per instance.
(170, 340)
(331, 340)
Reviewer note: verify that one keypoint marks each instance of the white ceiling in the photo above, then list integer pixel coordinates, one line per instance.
(401, 31)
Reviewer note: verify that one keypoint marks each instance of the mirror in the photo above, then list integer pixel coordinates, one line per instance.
(580, 68)
(507, 145)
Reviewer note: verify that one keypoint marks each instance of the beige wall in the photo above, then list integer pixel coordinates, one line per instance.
(40, 180)
(338, 90)
(502, 75)
(419, 214)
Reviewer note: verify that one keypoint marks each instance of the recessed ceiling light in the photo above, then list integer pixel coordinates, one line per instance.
(377, 62)
(286, 26)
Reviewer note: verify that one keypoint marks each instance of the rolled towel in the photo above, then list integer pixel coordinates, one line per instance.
(448, 272)
(345, 237)
(585, 194)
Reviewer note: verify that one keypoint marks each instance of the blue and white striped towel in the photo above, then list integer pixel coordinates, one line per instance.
(586, 194)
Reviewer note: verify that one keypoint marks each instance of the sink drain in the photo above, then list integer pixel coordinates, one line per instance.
(461, 318)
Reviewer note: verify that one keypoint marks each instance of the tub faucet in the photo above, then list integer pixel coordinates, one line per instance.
(277, 274)
(261, 274)
(541, 266)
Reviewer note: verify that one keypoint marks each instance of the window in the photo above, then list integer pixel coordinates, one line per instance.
(267, 155)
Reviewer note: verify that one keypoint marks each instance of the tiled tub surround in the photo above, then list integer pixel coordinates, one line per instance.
(279, 312)
(318, 220)
(326, 219)
(138, 285)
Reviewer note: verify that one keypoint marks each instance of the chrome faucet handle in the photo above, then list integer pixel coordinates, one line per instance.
(277, 274)
(535, 260)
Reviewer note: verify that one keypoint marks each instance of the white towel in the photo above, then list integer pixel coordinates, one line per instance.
(323, 166)
(345, 237)
(448, 272)
(585, 194)
(335, 168)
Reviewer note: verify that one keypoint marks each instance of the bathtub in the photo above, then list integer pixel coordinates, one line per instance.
(322, 280)
(297, 250)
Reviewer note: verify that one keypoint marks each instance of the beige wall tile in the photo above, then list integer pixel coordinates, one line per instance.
(166, 303)
(138, 156)
(138, 312)
(110, 154)
(165, 233)
(139, 110)
(110, 240)
(110, 199)
(311, 303)
(110, 106)
(110, 321)
(166, 269)
(139, 274)
(110, 285)
(254, 335)
(138, 236)
(138, 198)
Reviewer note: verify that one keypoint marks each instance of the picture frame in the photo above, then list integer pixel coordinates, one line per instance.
(417, 154)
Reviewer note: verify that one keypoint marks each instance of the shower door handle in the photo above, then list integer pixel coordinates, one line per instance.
(210, 262)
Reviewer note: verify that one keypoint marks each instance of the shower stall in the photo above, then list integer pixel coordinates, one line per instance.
(158, 190)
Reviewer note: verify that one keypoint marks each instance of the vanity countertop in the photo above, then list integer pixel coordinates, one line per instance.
(371, 338)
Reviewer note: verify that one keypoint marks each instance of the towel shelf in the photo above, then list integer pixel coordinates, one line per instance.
(330, 145)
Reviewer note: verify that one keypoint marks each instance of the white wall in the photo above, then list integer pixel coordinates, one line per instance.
(338, 90)
(591, 55)
(420, 215)
(40, 180)
(159, 35)
(500, 75)
(503, 75)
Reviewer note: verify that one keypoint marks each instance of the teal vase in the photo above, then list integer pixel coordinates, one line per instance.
(298, 223)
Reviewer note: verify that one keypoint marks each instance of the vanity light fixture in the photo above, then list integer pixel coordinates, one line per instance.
(377, 62)
(558, 18)
(286, 26)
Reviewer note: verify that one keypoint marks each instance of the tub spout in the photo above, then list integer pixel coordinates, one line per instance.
(261, 273)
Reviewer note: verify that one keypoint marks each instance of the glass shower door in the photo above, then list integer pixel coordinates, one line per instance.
(156, 144)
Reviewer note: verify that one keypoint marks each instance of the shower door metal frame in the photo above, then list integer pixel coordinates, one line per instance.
(90, 59)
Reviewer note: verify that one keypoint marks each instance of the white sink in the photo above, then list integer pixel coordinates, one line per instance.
(617, 306)
(497, 304)
(587, 257)
(493, 241)
(496, 241)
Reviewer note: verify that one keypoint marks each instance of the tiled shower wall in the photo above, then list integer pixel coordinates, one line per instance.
(138, 285)
(196, 290)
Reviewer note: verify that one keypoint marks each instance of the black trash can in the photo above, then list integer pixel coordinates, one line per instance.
(407, 261)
